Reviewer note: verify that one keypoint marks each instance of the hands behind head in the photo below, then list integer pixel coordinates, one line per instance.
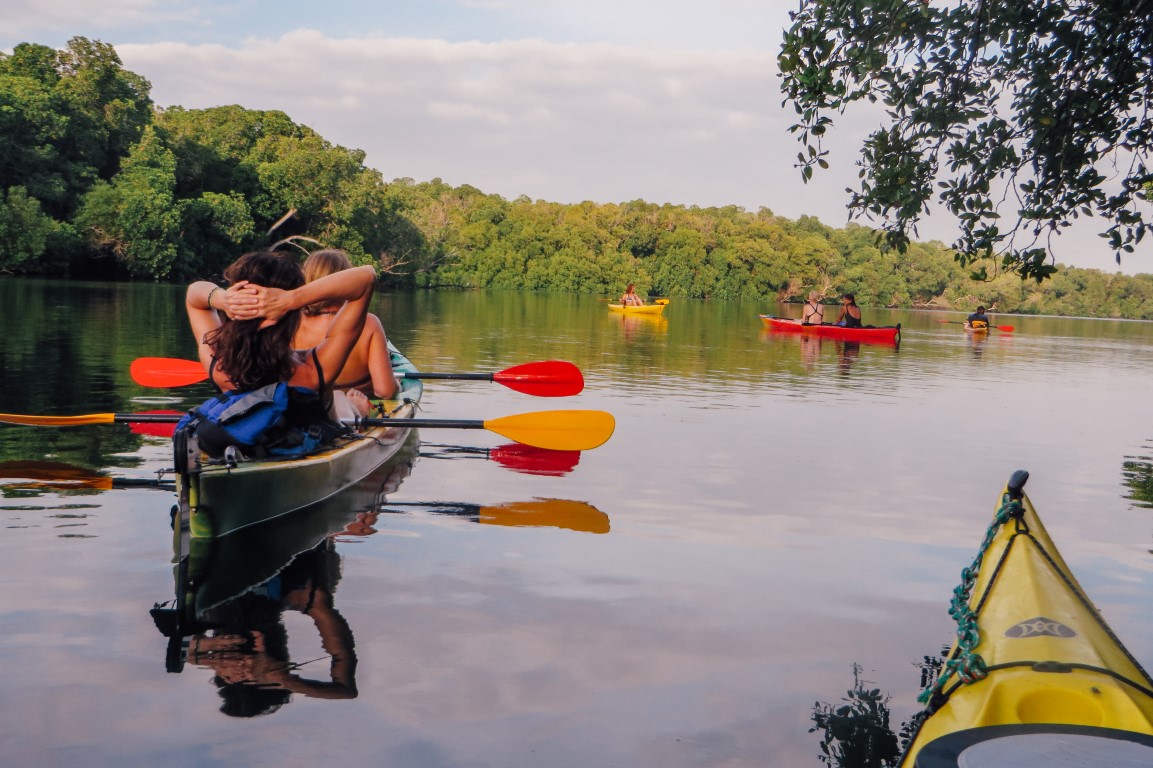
(248, 301)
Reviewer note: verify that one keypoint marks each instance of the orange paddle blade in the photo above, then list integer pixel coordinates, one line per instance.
(166, 372)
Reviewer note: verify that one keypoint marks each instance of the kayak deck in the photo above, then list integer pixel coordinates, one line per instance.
(1054, 672)
(222, 499)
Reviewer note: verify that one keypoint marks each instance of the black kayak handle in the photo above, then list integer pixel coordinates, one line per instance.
(1017, 484)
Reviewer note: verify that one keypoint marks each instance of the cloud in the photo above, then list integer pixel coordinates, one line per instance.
(564, 122)
(27, 20)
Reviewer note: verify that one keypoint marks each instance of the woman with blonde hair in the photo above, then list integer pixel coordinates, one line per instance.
(368, 370)
(813, 313)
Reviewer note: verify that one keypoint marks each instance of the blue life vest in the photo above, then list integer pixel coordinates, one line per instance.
(275, 420)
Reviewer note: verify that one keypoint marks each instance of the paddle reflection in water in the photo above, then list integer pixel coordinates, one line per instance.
(537, 513)
(526, 459)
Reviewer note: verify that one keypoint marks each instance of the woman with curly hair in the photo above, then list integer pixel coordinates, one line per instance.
(245, 332)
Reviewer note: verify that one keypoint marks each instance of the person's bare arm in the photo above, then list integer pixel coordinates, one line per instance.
(384, 382)
(203, 301)
(353, 287)
(349, 285)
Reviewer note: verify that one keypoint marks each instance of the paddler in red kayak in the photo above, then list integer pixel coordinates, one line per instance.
(813, 313)
(850, 316)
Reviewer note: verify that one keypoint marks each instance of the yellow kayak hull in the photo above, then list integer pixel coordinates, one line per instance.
(647, 309)
(1058, 679)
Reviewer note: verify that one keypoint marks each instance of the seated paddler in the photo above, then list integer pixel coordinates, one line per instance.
(275, 400)
(368, 371)
(978, 321)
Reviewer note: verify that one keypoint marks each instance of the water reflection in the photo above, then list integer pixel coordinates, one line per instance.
(636, 326)
(233, 593)
(526, 459)
(1137, 475)
(806, 354)
(847, 352)
(245, 641)
(857, 733)
(977, 341)
(36, 479)
(537, 513)
(810, 350)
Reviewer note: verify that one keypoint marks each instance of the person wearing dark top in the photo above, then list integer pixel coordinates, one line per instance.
(850, 316)
(978, 321)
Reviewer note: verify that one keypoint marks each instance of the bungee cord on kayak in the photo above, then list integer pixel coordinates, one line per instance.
(965, 663)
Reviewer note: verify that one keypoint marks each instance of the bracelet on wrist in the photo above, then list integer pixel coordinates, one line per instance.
(215, 288)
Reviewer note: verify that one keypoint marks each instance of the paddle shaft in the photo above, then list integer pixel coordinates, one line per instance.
(172, 418)
(557, 430)
(1006, 328)
(460, 376)
(545, 378)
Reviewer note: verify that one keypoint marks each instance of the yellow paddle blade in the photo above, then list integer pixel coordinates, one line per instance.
(662, 302)
(558, 430)
(552, 513)
(58, 421)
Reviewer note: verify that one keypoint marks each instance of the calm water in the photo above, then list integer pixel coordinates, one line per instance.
(767, 514)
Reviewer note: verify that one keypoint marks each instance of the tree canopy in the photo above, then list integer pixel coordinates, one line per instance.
(97, 182)
(1037, 111)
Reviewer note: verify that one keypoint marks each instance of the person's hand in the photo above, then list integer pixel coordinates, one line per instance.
(271, 304)
(238, 301)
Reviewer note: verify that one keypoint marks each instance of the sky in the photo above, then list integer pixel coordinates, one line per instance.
(668, 101)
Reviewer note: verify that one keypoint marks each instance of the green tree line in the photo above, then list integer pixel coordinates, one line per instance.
(96, 181)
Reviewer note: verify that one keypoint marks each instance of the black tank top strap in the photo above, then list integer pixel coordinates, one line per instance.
(211, 371)
(326, 398)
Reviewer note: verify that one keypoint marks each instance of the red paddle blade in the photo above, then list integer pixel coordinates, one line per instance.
(535, 461)
(547, 378)
(155, 429)
(1007, 328)
(166, 372)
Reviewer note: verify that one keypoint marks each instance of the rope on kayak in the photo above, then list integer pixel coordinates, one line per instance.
(967, 665)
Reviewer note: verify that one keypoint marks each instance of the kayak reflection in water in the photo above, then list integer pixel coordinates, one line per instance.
(248, 645)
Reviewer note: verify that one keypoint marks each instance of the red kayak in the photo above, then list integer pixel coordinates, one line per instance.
(888, 334)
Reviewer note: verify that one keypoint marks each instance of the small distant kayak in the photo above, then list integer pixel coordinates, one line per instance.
(887, 334)
(646, 309)
(1036, 677)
